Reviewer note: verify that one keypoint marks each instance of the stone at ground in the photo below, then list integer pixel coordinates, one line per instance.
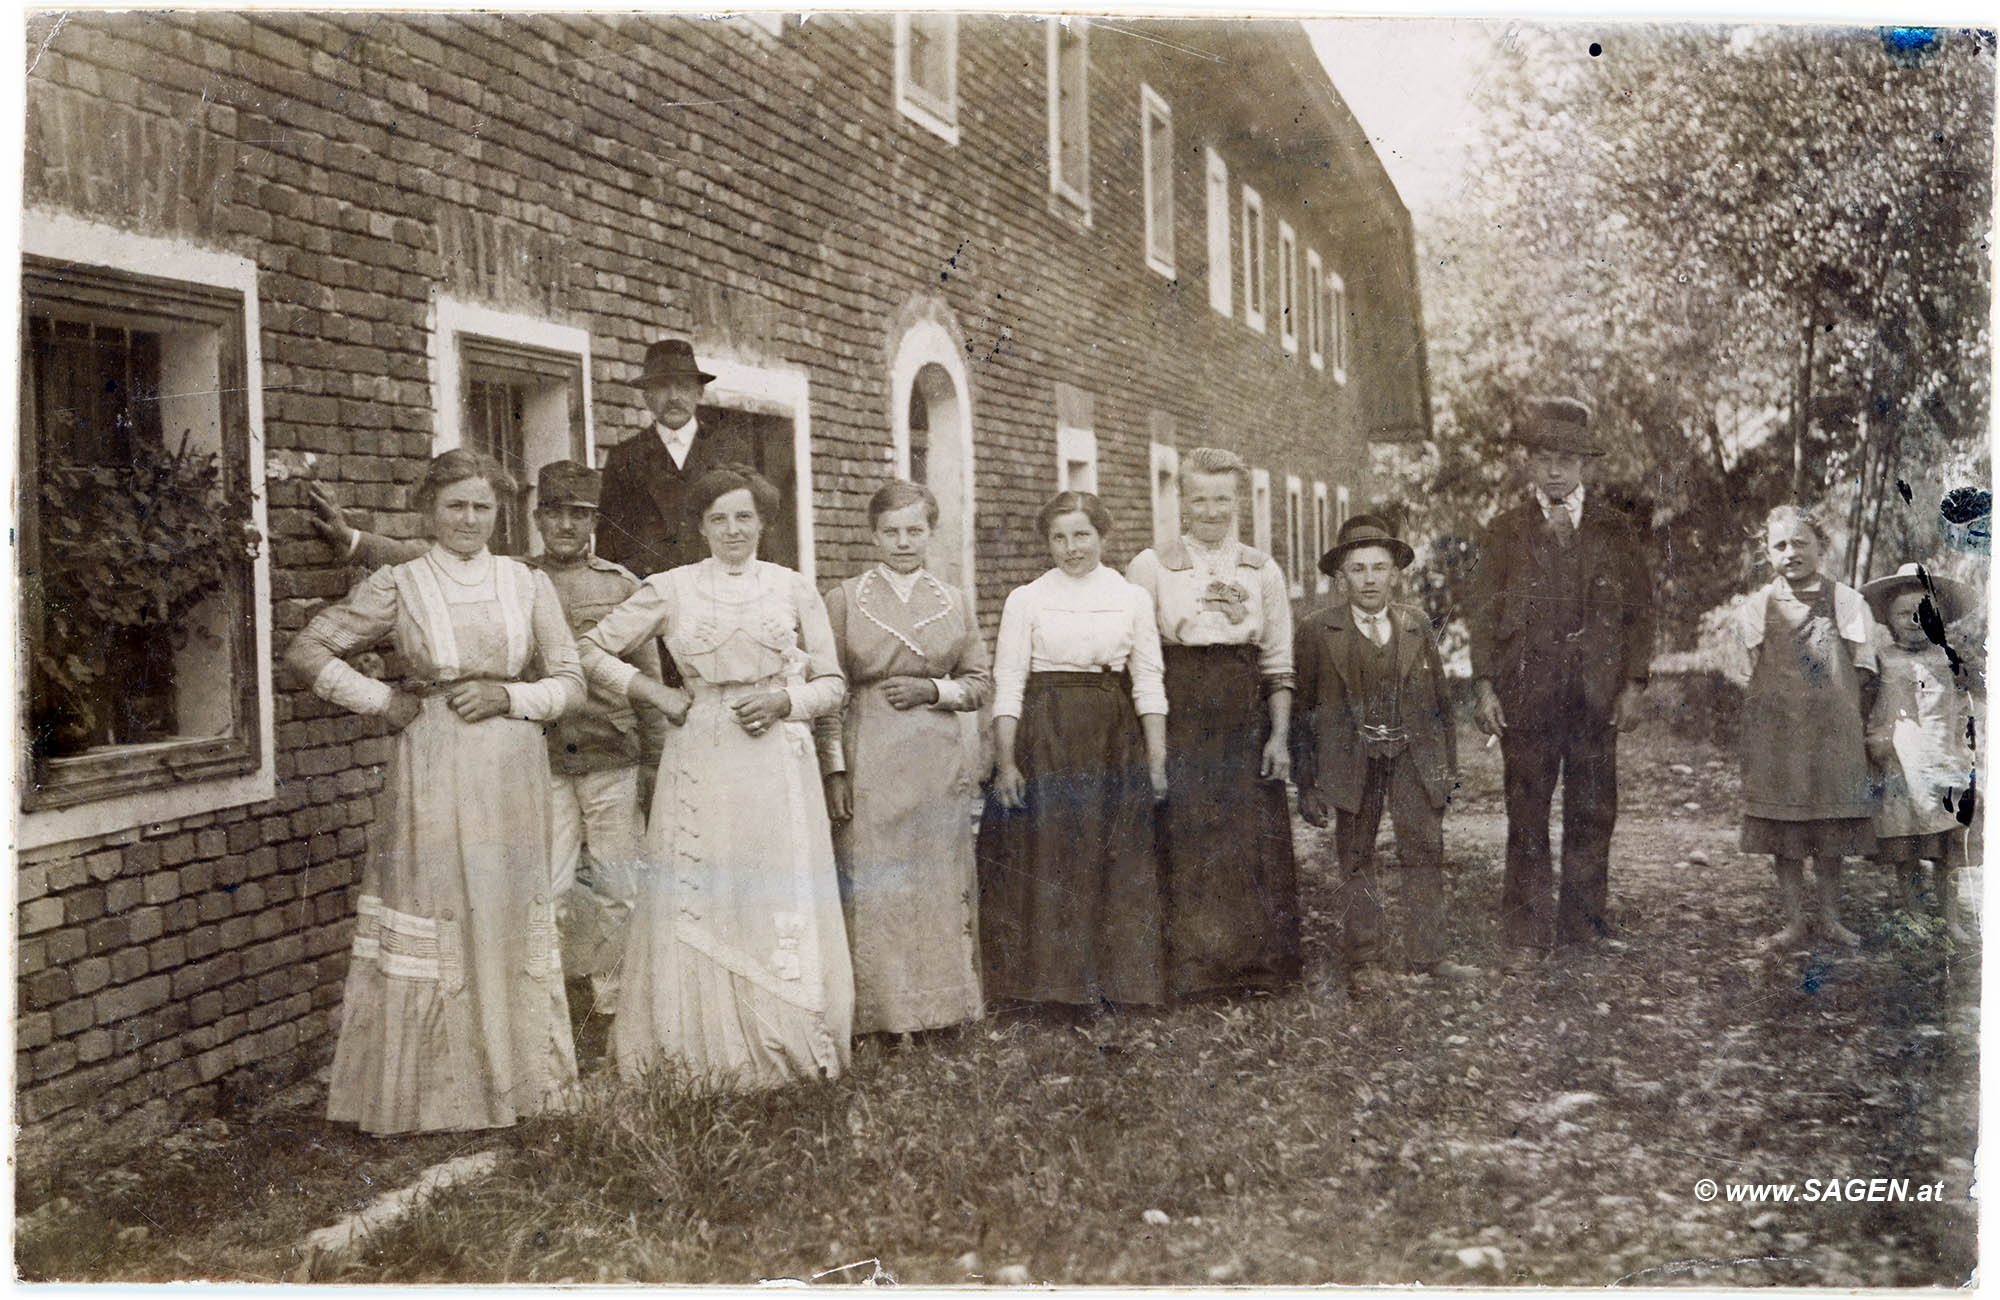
(391, 1207)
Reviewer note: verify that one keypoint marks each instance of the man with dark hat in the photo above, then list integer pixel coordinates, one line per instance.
(601, 755)
(1372, 727)
(642, 523)
(1561, 619)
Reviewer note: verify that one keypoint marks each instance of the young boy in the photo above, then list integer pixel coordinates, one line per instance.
(1372, 727)
(1918, 737)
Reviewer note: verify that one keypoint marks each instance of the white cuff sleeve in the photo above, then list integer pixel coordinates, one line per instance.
(339, 683)
(951, 695)
(538, 701)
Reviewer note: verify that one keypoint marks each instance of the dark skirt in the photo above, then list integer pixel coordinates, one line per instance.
(1069, 886)
(1821, 837)
(1232, 888)
(1946, 848)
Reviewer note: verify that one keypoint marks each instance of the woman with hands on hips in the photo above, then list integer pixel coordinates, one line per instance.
(454, 1015)
(736, 966)
(1070, 907)
(899, 782)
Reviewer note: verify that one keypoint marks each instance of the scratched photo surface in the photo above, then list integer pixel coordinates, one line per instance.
(991, 650)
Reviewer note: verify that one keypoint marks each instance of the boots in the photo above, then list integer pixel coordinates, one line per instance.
(1792, 898)
(1826, 882)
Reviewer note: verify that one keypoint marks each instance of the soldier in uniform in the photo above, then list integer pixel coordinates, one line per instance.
(602, 756)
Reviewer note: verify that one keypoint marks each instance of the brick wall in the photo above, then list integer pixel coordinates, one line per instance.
(634, 177)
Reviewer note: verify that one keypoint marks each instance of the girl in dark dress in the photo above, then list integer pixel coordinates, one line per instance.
(1070, 905)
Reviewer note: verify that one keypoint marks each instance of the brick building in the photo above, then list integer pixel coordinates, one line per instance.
(998, 254)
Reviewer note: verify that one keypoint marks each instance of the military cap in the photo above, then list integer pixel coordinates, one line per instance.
(567, 483)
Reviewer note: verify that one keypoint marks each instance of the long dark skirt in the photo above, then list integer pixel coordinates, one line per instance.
(1069, 887)
(1232, 887)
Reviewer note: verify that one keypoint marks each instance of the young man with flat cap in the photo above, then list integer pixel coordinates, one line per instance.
(1372, 728)
(601, 755)
(642, 523)
(1561, 619)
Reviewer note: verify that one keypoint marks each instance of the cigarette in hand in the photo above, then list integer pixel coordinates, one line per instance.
(1491, 741)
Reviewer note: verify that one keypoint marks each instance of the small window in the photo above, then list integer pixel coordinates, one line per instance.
(523, 406)
(141, 560)
(1253, 259)
(1069, 113)
(1339, 328)
(1260, 509)
(1156, 132)
(1315, 310)
(1288, 278)
(1342, 511)
(515, 387)
(1076, 460)
(1295, 534)
(927, 72)
(1219, 253)
(1323, 535)
(1166, 494)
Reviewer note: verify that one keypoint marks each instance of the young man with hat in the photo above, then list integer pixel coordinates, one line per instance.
(1372, 728)
(1561, 619)
(600, 754)
(642, 523)
(1917, 735)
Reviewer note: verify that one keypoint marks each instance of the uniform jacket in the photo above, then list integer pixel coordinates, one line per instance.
(1326, 740)
(602, 733)
(1513, 587)
(642, 518)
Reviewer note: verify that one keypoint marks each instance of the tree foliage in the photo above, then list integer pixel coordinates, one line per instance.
(1764, 256)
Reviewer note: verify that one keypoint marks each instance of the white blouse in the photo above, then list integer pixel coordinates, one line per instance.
(1060, 624)
(1222, 599)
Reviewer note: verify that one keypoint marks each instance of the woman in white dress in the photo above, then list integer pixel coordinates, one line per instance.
(736, 965)
(454, 1015)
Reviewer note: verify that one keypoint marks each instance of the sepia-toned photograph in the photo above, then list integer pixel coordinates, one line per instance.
(999, 649)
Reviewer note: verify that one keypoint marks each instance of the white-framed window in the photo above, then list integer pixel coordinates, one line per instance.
(1076, 442)
(1315, 310)
(1288, 279)
(1295, 534)
(517, 388)
(927, 72)
(1323, 535)
(141, 434)
(1069, 113)
(1260, 509)
(766, 412)
(1166, 493)
(1156, 142)
(1342, 510)
(1219, 252)
(1253, 259)
(1339, 328)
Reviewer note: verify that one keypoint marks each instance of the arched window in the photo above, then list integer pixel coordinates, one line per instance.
(933, 439)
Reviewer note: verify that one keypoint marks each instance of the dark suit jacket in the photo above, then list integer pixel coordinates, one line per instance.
(642, 518)
(1326, 739)
(1513, 589)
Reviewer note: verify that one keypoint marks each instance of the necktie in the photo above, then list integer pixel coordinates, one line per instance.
(1560, 525)
(1377, 629)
